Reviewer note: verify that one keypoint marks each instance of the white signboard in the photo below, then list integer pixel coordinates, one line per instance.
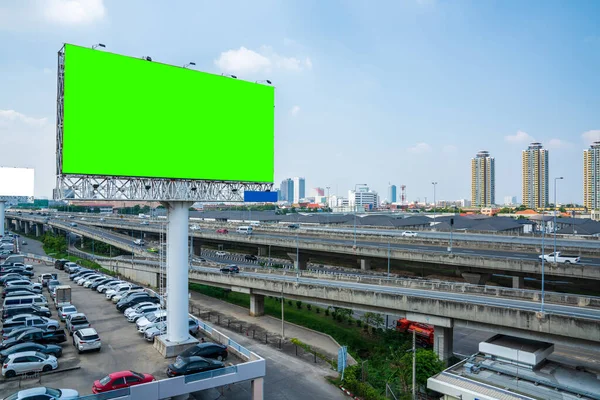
(16, 181)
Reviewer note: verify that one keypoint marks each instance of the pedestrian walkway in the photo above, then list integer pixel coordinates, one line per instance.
(317, 340)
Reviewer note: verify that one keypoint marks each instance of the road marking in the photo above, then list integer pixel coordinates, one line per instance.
(468, 251)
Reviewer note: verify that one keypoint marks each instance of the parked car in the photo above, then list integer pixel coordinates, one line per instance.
(135, 308)
(26, 267)
(122, 288)
(207, 350)
(34, 309)
(222, 231)
(51, 349)
(128, 293)
(104, 281)
(293, 226)
(230, 269)
(7, 292)
(155, 317)
(87, 283)
(250, 257)
(119, 380)
(35, 335)
(76, 322)
(134, 316)
(44, 323)
(45, 278)
(44, 393)
(52, 284)
(34, 287)
(221, 253)
(26, 362)
(123, 305)
(65, 311)
(86, 339)
(102, 288)
(155, 330)
(409, 234)
(71, 267)
(11, 278)
(192, 365)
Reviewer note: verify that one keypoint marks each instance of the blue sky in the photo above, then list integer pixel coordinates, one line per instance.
(402, 91)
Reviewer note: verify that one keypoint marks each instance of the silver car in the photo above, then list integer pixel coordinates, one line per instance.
(44, 393)
(156, 330)
(28, 361)
(134, 316)
(86, 339)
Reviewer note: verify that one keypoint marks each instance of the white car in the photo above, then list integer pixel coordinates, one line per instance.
(146, 321)
(89, 282)
(134, 316)
(86, 339)
(27, 267)
(119, 289)
(221, 253)
(81, 281)
(28, 361)
(136, 307)
(108, 286)
(44, 393)
(119, 296)
(409, 234)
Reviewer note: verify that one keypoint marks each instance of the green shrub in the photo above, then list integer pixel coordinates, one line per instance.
(326, 312)
(290, 302)
(308, 307)
(318, 310)
(299, 304)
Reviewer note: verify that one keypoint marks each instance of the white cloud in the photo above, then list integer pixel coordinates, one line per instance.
(558, 144)
(519, 137)
(244, 60)
(592, 136)
(295, 110)
(37, 135)
(33, 14)
(419, 148)
(450, 148)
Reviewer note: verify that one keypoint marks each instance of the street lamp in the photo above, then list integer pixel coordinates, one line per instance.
(264, 81)
(355, 186)
(229, 75)
(188, 64)
(543, 261)
(554, 227)
(98, 45)
(434, 186)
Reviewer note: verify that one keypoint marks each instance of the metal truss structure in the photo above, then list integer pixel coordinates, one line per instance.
(86, 187)
(91, 187)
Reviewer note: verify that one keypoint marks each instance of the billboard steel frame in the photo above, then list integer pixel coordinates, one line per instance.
(95, 187)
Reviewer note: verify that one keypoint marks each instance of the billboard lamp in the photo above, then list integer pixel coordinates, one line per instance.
(188, 64)
(98, 45)
(266, 80)
(231, 76)
(147, 58)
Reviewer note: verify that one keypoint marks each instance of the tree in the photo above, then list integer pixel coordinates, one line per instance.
(428, 364)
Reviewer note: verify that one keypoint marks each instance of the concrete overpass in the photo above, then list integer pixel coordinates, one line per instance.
(568, 319)
(475, 268)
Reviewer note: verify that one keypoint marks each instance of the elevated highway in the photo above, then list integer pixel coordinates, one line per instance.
(475, 266)
(574, 321)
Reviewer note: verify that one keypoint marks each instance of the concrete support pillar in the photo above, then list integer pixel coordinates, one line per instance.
(39, 230)
(2, 217)
(301, 263)
(257, 305)
(475, 278)
(442, 342)
(365, 264)
(27, 227)
(263, 251)
(177, 271)
(196, 247)
(518, 282)
(257, 389)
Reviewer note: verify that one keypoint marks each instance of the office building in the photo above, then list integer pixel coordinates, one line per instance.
(299, 190)
(317, 192)
(287, 190)
(483, 180)
(510, 200)
(391, 197)
(363, 198)
(591, 177)
(535, 176)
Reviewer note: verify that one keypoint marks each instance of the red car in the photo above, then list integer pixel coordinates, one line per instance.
(222, 230)
(119, 380)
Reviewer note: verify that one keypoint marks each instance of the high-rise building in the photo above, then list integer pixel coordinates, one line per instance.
(287, 190)
(363, 198)
(535, 176)
(591, 177)
(299, 189)
(317, 192)
(483, 180)
(392, 193)
(510, 200)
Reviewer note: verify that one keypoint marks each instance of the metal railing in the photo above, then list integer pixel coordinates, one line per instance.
(211, 374)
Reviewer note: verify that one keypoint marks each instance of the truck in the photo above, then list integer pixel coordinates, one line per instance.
(63, 295)
(424, 333)
(560, 258)
(139, 242)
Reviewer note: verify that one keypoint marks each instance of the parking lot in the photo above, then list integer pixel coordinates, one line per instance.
(123, 348)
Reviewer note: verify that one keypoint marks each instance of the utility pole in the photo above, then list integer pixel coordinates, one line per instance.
(282, 318)
(414, 366)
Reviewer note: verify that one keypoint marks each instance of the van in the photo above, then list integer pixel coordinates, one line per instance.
(35, 299)
(244, 229)
(60, 264)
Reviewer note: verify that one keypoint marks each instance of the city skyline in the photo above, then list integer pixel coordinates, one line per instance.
(348, 109)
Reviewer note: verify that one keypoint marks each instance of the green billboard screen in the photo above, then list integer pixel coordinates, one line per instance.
(130, 117)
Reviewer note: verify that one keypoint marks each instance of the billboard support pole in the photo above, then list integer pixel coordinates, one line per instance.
(177, 336)
(2, 217)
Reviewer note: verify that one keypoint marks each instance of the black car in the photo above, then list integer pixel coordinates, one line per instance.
(207, 350)
(52, 349)
(36, 335)
(11, 311)
(101, 282)
(192, 365)
(293, 226)
(78, 273)
(17, 270)
(250, 257)
(129, 303)
(60, 264)
(230, 269)
(7, 278)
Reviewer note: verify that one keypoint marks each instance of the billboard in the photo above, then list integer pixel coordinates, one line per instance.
(16, 182)
(129, 117)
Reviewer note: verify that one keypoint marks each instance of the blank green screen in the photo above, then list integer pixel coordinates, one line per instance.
(130, 117)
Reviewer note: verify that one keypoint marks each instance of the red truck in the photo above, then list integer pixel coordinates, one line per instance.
(423, 332)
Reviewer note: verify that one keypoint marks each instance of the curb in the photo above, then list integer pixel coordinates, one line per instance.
(349, 393)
